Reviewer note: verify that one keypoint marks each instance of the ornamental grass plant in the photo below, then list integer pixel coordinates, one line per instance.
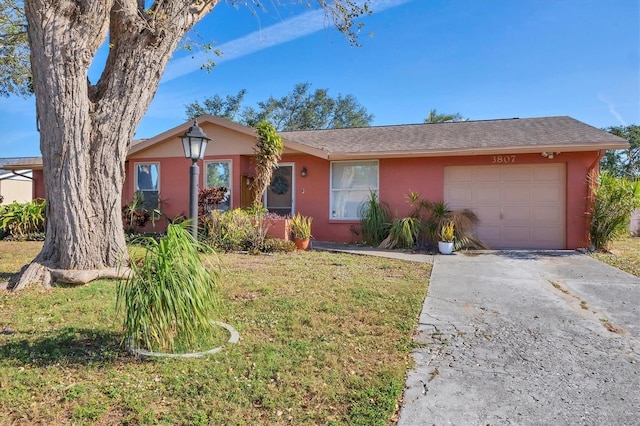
(171, 298)
(375, 220)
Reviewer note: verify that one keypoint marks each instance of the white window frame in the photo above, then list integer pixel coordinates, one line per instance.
(136, 167)
(333, 191)
(230, 187)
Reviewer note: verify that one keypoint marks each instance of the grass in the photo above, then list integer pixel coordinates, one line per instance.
(324, 339)
(624, 254)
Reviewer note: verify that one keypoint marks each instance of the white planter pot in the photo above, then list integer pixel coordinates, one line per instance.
(445, 247)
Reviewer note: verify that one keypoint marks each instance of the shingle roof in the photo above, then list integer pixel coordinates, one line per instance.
(466, 137)
(16, 163)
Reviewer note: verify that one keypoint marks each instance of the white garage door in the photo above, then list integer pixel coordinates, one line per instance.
(519, 206)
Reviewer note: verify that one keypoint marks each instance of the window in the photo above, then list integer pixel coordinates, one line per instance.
(219, 176)
(351, 184)
(148, 184)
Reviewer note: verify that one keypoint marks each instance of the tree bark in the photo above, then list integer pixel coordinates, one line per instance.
(86, 130)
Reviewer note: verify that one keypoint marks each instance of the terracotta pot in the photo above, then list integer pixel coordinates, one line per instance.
(301, 244)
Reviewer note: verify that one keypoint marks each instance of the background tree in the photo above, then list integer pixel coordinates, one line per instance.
(300, 109)
(86, 129)
(15, 68)
(226, 108)
(434, 117)
(624, 162)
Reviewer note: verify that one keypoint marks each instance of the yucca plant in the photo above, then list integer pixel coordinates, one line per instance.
(375, 220)
(447, 233)
(614, 200)
(301, 226)
(171, 297)
(403, 233)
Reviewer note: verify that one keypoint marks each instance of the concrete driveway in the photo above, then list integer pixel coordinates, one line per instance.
(525, 338)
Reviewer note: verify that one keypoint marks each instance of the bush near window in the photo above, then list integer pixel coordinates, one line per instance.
(23, 221)
(241, 230)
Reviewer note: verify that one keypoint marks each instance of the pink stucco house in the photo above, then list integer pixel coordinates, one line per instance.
(526, 179)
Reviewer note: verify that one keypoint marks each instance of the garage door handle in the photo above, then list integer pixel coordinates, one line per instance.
(501, 214)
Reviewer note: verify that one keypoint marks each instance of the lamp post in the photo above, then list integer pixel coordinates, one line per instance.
(194, 143)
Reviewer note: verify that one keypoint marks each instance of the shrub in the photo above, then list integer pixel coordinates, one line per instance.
(171, 296)
(135, 215)
(614, 201)
(277, 245)
(209, 199)
(19, 220)
(403, 233)
(375, 220)
(234, 230)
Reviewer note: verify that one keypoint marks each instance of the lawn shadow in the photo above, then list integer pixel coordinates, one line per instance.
(67, 346)
(5, 276)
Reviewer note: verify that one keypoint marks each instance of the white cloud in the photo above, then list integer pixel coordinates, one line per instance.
(612, 109)
(291, 29)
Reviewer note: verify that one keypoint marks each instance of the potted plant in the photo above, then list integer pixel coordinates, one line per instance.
(301, 230)
(445, 245)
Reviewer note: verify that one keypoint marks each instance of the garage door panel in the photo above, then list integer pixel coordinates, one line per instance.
(519, 206)
(458, 194)
(511, 193)
(548, 172)
(487, 234)
(486, 175)
(515, 174)
(544, 233)
(458, 174)
(515, 213)
(514, 234)
(546, 215)
(484, 194)
(547, 194)
(489, 214)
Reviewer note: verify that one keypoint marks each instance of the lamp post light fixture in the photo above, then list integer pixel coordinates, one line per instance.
(194, 143)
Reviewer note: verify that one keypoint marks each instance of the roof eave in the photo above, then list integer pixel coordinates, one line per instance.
(177, 131)
(475, 151)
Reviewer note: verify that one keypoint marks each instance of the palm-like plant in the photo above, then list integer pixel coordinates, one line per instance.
(436, 215)
(403, 233)
(375, 219)
(268, 150)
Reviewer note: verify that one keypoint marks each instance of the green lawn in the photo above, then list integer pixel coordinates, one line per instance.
(623, 254)
(325, 339)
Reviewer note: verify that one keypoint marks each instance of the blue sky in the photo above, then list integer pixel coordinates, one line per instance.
(484, 59)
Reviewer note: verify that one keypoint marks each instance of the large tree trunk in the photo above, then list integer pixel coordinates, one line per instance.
(86, 130)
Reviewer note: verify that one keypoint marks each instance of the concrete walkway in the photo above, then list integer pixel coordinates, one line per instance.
(524, 338)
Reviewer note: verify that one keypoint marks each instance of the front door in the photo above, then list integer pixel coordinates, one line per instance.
(279, 194)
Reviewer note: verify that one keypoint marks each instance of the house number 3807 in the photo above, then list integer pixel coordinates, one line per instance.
(503, 159)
